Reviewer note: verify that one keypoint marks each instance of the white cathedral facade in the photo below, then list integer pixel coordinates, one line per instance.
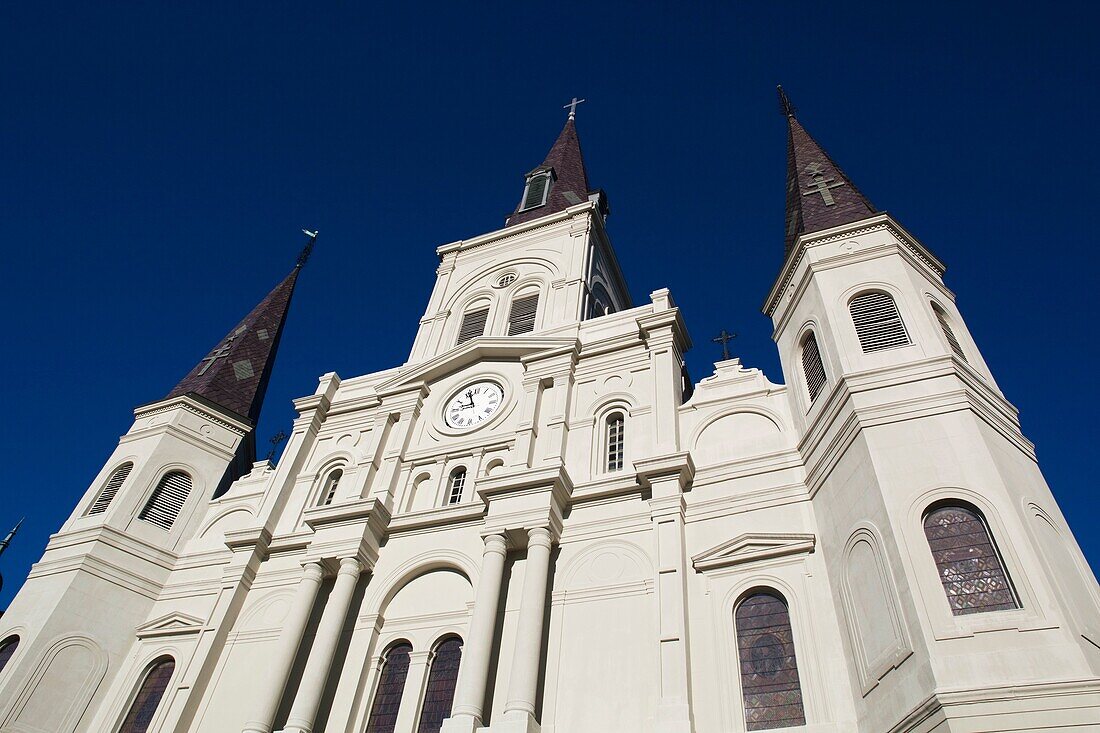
(537, 523)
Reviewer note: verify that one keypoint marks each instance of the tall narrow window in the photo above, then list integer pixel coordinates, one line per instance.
(812, 366)
(149, 696)
(473, 324)
(969, 566)
(521, 318)
(111, 488)
(616, 441)
(538, 186)
(7, 650)
(599, 302)
(456, 486)
(391, 683)
(332, 482)
(442, 678)
(167, 500)
(877, 321)
(948, 332)
(769, 670)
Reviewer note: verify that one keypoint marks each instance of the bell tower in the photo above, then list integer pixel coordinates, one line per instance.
(102, 571)
(550, 267)
(941, 536)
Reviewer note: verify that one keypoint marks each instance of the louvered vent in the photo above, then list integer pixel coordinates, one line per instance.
(812, 367)
(473, 325)
(878, 323)
(521, 319)
(536, 191)
(167, 500)
(949, 334)
(113, 485)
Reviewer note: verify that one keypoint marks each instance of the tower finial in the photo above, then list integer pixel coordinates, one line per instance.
(572, 107)
(7, 540)
(303, 256)
(785, 105)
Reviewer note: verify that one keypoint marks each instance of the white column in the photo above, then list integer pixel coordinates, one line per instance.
(413, 692)
(473, 674)
(304, 711)
(667, 513)
(523, 685)
(279, 664)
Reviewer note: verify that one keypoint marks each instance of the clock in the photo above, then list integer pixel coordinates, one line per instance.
(473, 405)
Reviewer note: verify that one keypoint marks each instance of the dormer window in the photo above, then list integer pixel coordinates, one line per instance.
(538, 188)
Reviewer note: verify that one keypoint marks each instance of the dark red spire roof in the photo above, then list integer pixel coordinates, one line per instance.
(570, 186)
(235, 374)
(819, 195)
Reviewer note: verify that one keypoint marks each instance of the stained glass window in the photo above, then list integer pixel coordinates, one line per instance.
(391, 683)
(441, 685)
(968, 564)
(7, 650)
(149, 696)
(769, 672)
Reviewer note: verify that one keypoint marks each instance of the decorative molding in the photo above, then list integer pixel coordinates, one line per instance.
(753, 547)
(172, 624)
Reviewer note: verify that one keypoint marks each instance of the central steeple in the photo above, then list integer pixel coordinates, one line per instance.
(560, 182)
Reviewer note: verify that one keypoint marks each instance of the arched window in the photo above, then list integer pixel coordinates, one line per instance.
(967, 561)
(473, 324)
(107, 494)
(149, 696)
(7, 650)
(521, 316)
(441, 685)
(332, 482)
(948, 332)
(456, 485)
(812, 367)
(769, 671)
(599, 302)
(391, 683)
(615, 431)
(167, 499)
(877, 321)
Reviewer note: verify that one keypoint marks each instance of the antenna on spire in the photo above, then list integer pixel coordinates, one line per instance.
(785, 105)
(303, 256)
(7, 540)
(572, 107)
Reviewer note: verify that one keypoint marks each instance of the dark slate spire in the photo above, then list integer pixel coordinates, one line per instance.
(570, 186)
(4, 545)
(819, 195)
(235, 374)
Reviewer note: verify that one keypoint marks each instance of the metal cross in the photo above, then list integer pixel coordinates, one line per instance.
(217, 353)
(724, 339)
(820, 185)
(277, 438)
(572, 107)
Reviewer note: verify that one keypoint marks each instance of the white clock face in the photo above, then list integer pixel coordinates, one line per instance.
(473, 404)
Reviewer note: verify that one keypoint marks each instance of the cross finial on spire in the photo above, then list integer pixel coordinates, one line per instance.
(303, 256)
(7, 540)
(785, 105)
(572, 107)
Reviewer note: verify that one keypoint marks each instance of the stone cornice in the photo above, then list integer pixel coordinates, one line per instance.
(876, 223)
(508, 233)
(204, 409)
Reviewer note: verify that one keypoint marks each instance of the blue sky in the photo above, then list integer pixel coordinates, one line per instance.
(159, 161)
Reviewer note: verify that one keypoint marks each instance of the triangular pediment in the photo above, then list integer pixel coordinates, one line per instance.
(172, 624)
(753, 547)
(510, 348)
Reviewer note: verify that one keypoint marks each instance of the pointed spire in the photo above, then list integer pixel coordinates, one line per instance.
(570, 180)
(11, 535)
(235, 374)
(819, 195)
